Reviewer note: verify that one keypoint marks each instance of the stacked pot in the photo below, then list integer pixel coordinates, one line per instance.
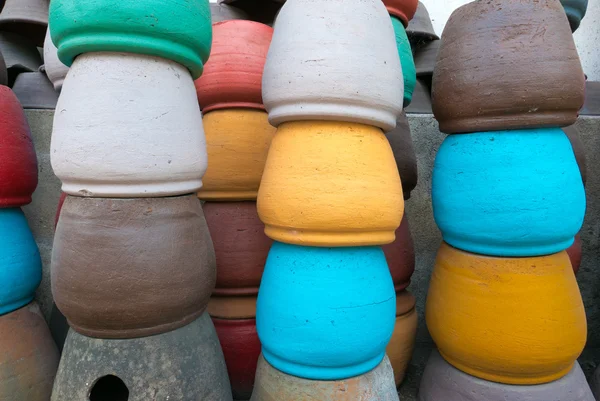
(238, 136)
(133, 264)
(503, 305)
(330, 196)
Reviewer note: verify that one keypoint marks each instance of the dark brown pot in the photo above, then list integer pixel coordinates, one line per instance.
(404, 153)
(125, 268)
(400, 256)
(578, 149)
(507, 64)
(574, 252)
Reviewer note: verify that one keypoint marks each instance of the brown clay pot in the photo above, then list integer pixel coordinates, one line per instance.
(125, 268)
(401, 346)
(578, 149)
(402, 9)
(400, 256)
(507, 64)
(404, 153)
(574, 252)
(233, 307)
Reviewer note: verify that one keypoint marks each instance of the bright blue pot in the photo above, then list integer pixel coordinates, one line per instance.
(20, 263)
(508, 193)
(325, 313)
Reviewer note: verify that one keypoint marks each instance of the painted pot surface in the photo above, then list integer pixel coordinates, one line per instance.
(233, 306)
(18, 162)
(28, 356)
(400, 256)
(237, 142)
(224, 12)
(404, 10)
(313, 194)
(233, 74)
(443, 382)
(132, 267)
(178, 31)
(574, 252)
(28, 18)
(272, 384)
(400, 347)
(35, 91)
(21, 271)
(54, 68)
(519, 320)
(319, 73)
(325, 313)
(575, 10)
(537, 202)
(406, 60)
(481, 84)
(110, 137)
(404, 152)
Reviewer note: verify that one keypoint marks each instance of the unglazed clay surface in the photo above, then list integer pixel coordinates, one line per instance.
(400, 256)
(404, 152)
(54, 68)
(404, 10)
(400, 347)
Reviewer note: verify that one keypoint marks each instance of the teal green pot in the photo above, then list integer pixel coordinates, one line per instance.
(575, 10)
(177, 30)
(406, 59)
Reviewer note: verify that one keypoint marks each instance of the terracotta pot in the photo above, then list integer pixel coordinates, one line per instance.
(519, 320)
(376, 385)
(233, 307)
(404, 152)
(400, 347)
(179, 31)
(109, 138)
(575, 10)
(126, 268)
(421, 100)
(25, 17)
(224, 12)
(320, 73)
(406, 60)
(35, 91)
(420, 28)
(233, 74)
(404, 10)
(54, 68)
(536, 205)
(321, 315)
(481, 83)
(442, 382)
(241, 349)
(28, 356)
(578, 149)
(18, 166)
(400, 256)
(237, 141)
(313, 194)
(574, 252)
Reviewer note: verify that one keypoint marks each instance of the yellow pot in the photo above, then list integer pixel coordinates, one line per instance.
(330, 184)
(237, 142)
(400, 347)
(507, 320)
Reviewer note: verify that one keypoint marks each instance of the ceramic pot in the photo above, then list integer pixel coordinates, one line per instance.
(404, 10)
(313, 194)
(19, 55)
(224, 12)
(421, 100)
(574, 252)
(406, 60)
(319, 73)
(35, 91)
(237, 142)
(110, 137)
(18, 165)
(321, 315)
(233, 306)
(125, 268)
(179, 31)
(26, 17)
(241, 349)
(404, 153)
(520, 320)
(28, 356)
(536, 205)
(481, 83)
(400, 256)
(3, 72)
(578, 149)
(233, 74)
(183, 364)
(54, 68)
(272, 384)
(425, 58)
(420, 29)
(575, 10)
(442, 382)
(400, 347)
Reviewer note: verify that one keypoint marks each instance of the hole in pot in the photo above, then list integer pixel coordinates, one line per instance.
(109, 388)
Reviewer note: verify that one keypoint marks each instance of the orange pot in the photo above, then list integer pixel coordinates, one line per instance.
(400, 347)
(403, 9)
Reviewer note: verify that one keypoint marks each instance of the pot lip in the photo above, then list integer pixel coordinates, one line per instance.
(233, 105)
(238, 307)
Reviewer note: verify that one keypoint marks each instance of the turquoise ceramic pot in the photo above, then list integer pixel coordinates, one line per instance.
(575, 10)
(20, 263)
(177, 30)
(508, 193)
(325, 313)
(409, 71)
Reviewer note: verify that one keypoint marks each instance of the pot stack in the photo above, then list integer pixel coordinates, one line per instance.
(503, 306)
(238, 136)
(133, 264)
(330, 196)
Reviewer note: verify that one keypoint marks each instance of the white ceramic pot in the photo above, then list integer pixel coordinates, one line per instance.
(333, 60)
(128, 125)
(55, 69)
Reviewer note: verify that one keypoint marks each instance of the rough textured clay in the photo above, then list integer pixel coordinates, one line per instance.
(442, 382)
(343, 305)
(425, 58)
(537, 201)
(482, 83)
(406, 60)
(400, 347)
(20, 55)
(224, 12)
(123, 134)
(400, 256)
(180, 365)
(404, 10)
(320, 73)
(313, 194)
(25, 17)
(404, 152)
(54, 68)
(420, 27)
(530, 309)
(132, 267)
(233, 307)
(35, 91)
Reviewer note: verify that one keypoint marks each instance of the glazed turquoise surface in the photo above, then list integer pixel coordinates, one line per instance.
(179, 30)
(575, 10)
(325, 313)
(409, 71)
(20, 264)
(508, 193)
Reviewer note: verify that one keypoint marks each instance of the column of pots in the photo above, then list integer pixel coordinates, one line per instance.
(503, 307)
(238, 136)
(133, 264)
(330, 197)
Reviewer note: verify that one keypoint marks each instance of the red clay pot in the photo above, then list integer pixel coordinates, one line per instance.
(18, 163)
(233, 74)
(574, 252)
(400, 256)
(241, 348)
(404, 152)
(402, 9)
(578, 149)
